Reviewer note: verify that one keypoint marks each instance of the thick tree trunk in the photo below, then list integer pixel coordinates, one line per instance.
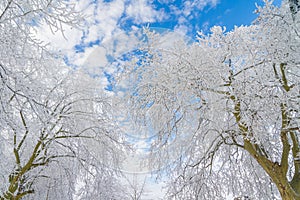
(287, 192)
(277, 172)
(295, 183)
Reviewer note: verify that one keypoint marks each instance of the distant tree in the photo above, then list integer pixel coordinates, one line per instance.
(57, 135)
(134, 187)
(228, 105)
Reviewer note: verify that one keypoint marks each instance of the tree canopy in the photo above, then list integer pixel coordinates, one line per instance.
(227, 106)
(58, 139)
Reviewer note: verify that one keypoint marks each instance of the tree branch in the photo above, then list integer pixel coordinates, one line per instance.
(6, 9)
(284, 140)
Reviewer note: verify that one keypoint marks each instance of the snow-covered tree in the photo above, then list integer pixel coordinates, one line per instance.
(225, 110)
(134, 187)
(58, 139)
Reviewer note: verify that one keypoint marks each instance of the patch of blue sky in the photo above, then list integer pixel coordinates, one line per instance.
(127, 24)
(79, 48)
(110, 80)
(143, 57)
(69, 63)
(172, 19)
(33, 22)
(228, 13)
(178, 18)
(110, 58)
(231, 13)
(135, 140)
(149, 104)
(117, 64)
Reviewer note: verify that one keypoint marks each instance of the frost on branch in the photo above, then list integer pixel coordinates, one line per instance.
(230, 103)
(56, 127)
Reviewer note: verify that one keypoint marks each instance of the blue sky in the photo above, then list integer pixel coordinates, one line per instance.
(112, 23)
(227, 13)
(106, 19)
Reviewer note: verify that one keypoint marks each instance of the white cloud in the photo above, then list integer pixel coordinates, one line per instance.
(200, 4)
(141, 11)
(94, 58)
(103, 24)
(188, 6)
(58, 41)
(175, 10)
(181, 29)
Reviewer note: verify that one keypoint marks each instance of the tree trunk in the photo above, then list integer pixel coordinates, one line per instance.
(277, 172)
(285, 188)
(288, 190)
